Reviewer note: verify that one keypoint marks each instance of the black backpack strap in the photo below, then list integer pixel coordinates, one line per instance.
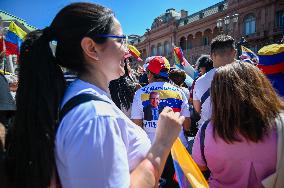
(202, 138)
(76, 100)
(206, 173)
(205, 96)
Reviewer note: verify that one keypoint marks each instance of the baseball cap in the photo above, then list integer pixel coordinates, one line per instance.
(157, 64)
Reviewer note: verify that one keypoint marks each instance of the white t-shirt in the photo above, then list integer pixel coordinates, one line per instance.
(201, 86)
(96, 144)
(186, 92)
(169, 95)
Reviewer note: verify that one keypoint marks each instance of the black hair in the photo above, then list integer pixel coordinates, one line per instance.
(42, 85)
(159, 77)
(177, 76)
(222, 43)
(205, 61)
(122, 90)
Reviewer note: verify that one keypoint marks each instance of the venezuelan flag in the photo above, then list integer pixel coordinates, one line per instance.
(134, 52)
(13, 39)
(248, 54)
(271, 59)
(187, 172)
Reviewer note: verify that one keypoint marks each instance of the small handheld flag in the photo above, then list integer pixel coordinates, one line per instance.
(186, 169)
(13, 39)
(134, 52)
(248, 54)
(179, 57)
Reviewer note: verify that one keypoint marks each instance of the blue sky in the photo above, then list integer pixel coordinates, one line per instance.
(135, 16)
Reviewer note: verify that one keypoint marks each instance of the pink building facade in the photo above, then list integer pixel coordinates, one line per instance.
(260, 22)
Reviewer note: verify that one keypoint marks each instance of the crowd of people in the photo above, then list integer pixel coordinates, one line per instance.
(114, 126)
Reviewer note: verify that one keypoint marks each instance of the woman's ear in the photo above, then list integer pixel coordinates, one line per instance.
(90, 48)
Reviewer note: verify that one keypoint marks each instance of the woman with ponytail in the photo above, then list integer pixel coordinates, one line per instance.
(94, 144)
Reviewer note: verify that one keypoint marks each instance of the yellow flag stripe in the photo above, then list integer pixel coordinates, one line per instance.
(164, 94)
(188, 166)
(17, 30)
(271, 49)
(134, 50)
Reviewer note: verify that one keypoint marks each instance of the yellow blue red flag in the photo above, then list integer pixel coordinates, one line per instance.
(248, 54)
(14, 38)
(187, 171)
(134, 52)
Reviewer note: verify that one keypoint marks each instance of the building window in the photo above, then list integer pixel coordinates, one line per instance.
(280, 19)
(250, 24)
(160, 49)
(167, 48)
(205, 41)
(182, 43)
(153, 50)
(189, 44)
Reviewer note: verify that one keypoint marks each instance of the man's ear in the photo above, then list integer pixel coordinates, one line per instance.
(90, 48)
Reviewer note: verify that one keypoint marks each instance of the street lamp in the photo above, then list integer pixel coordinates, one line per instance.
(235, 18)
(219, 24)
(226, 21)
(132, 38)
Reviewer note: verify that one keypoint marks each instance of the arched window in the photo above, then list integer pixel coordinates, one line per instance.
(189, 41)
(205, 40)
(153, 50)
(167, 48)
(249, 24)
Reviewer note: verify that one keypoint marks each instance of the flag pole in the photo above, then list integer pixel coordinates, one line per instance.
(4, 51)
(4, 46)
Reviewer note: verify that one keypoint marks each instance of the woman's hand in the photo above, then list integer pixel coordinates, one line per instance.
(147, 173)
(169, 127)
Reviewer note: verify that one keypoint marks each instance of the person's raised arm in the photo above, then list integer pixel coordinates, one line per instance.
(147, 173)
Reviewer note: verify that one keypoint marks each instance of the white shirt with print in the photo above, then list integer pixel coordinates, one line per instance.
(170, 96)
